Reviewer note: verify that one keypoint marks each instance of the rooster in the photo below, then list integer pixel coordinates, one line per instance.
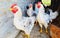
(22, 23)
(44, 18)
(41, 18)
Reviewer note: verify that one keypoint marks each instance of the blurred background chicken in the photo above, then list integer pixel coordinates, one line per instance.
(30, 10)
(22, 23)
(32, 13)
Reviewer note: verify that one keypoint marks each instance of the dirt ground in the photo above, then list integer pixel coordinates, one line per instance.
(35, 33)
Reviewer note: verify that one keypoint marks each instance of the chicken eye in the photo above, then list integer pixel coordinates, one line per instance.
(15, 8)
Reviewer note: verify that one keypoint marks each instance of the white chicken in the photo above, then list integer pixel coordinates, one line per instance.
(43, 18)
(30, 10)
(22, 23)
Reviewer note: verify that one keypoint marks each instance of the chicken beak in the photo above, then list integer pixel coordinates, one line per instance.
(10, 9)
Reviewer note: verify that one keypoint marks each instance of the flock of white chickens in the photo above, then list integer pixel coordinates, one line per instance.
(26, 24)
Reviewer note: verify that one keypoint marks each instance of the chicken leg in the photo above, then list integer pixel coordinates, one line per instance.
(46, 27)
(26, 36)
(40, 28)
(46, 30)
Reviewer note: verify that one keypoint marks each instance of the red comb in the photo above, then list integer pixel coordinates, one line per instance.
(30, 5)
(13, 5)
(39, 4)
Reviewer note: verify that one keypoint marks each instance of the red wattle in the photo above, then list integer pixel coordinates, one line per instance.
(14, 11)
(39, 6)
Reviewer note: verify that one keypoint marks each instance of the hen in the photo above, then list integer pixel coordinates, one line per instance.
(22, 23)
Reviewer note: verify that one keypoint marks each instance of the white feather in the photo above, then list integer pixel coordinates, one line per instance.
(53, 15)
